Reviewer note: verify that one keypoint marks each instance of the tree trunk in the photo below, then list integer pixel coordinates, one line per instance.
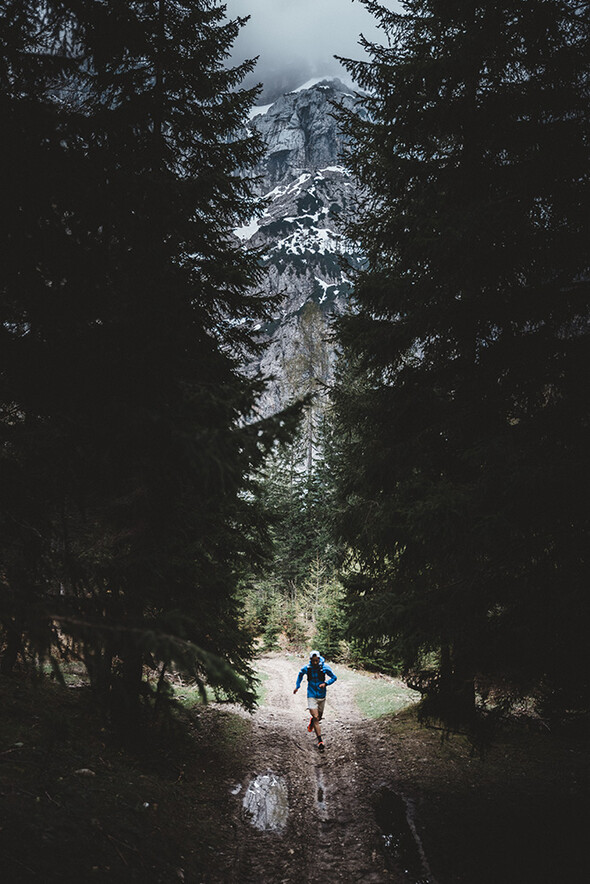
(456, 690)
(126, 691)
(11, 652)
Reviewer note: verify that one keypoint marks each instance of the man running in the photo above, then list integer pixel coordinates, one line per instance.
(319, 676)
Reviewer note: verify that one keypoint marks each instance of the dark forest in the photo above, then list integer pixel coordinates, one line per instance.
(424, 514)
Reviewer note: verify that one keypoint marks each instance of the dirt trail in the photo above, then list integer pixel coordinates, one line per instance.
(330, 834)
(389, 802)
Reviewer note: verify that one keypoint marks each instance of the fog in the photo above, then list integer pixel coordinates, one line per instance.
(297, 39)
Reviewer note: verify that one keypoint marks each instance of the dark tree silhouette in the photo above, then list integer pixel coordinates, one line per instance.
(463, 416)
(126, 445)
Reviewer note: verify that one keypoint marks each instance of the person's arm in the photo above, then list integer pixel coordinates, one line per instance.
(332, 679)
(299, 679)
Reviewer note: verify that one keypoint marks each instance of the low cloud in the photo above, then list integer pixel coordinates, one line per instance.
(297, 39)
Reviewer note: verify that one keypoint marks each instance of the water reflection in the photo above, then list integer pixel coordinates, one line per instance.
(401, 848)
(266, 802)
(320, 801)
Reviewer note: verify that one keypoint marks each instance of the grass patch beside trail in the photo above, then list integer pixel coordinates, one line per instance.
(261, 688)
(189, 696)
(377, 695)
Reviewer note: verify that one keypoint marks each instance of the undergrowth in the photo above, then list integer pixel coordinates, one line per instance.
(77, 806)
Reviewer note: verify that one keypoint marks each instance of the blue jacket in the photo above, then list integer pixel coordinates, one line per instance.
(316, 675)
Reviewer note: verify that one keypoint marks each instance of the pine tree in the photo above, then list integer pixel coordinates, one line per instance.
(123, 309)
(307, 373)
(296, 493)
(462, 470)
(32, 166)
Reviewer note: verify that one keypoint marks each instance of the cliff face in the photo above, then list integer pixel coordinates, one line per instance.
(305, 252)
(300, 131)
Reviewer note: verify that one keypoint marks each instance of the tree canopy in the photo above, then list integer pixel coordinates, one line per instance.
(462, 403)
(127, 444)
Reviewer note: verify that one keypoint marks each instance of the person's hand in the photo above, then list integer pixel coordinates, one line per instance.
(322, 685)
(295, 691)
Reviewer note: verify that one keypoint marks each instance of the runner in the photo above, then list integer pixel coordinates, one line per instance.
(317, 672)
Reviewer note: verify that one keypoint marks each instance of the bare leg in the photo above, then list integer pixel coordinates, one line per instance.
(316, 723)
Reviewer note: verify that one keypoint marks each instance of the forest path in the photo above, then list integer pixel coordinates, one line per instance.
(318, 823)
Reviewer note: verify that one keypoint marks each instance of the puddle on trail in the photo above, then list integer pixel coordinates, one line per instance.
(266, 803)
(402, 851)
(320, 800)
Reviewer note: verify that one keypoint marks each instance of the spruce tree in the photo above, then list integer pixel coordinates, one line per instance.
(123, 313)
(462, 468)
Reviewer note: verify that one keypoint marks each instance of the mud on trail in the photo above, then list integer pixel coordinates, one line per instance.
(310, 816)
(389, 802)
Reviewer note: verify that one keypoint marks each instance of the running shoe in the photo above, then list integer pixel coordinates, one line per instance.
(310, 725)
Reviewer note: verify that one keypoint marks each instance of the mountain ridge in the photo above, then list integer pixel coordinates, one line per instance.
(307, 260)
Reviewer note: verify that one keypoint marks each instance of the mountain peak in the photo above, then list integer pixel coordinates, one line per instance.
(322, 83)
(303, 248)
(328, 86)
(300, 131)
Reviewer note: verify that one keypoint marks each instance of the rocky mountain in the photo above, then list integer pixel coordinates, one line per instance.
(309, 194)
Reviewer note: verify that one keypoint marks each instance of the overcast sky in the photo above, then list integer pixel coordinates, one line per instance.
(300, 37)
